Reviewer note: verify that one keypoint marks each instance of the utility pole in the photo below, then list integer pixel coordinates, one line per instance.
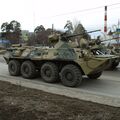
(52, 28)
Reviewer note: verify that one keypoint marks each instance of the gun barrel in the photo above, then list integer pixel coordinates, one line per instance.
(74, 35)
(114, 38)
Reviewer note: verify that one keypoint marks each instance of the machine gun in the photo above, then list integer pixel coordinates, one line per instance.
(54, 38)
(65, 37)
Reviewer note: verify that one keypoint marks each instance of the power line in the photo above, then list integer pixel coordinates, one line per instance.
(84, 10)
(113, 4)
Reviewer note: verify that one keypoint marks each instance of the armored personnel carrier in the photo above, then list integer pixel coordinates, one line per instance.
(108, 50)
(58, 62)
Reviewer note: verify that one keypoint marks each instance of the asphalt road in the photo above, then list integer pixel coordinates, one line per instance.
(105, 90)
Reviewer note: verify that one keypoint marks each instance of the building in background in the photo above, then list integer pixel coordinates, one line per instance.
(4, 43)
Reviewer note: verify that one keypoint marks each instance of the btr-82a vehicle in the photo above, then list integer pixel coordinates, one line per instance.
(58, 62)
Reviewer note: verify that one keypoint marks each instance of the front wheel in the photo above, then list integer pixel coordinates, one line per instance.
(95, 75)
(71, 76)
(114, 64)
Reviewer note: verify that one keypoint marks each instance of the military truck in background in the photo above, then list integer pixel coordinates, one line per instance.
(60, 62)
(108, 50)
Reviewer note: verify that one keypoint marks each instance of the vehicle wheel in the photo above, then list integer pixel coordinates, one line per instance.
(114, 65)
(14, 67)
(28, 70)
(95, 75)
(49, 72)
(71, 76)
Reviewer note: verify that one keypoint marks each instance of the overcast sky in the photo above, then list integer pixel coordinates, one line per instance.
(31, 13)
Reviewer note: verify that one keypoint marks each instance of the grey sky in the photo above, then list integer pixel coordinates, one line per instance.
(31, 13)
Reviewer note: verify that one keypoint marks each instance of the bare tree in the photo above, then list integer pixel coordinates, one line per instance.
(69, 27)
(79, 28)
(39, 29)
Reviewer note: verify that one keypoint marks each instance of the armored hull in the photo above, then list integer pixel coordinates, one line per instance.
(68, 64)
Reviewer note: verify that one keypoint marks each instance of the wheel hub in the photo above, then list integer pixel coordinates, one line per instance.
(12, 67)
(26, 70)
(69, 76)
(48, 73)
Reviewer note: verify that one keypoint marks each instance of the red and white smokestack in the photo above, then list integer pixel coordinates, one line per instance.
(105, 20)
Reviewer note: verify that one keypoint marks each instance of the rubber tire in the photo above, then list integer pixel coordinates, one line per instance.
(16, 65)
(95, 75)
(31, 70)
(54, 75)
(114, 65)
(75, 72)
